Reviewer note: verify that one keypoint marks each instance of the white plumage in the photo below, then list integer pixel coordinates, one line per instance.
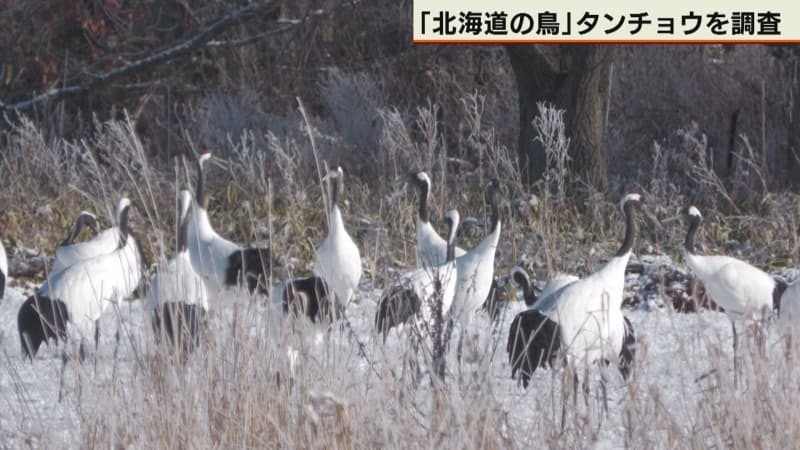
(69, 253)
(743, 290)
(558, 282)
(177, 291)
(431, 248)
(90, 286)
(740, 288)
(208, 251)
(338, 260)
(476, 267)
(87, 288)
(583, 318)
(220, 262)
(177, 281)
(520, 276)
(413, 296)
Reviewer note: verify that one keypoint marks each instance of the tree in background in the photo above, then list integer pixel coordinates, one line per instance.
(573, 78)
(789, 55)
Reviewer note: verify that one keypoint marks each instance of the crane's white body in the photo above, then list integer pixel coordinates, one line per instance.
(208, 251)
(66, 255)
(90, 286)
(556, 283)
(414, 297)
(744, 291)
(338, 260)
(476, 267)
(423, 282)
(588, 313)
(177, 281)
(582, 319)
(521, 278)
(475, 271)
(431, 248)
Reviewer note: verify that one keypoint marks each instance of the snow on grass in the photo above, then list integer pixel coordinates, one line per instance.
(264, 381)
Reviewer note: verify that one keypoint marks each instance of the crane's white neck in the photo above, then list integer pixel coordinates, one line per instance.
(202, 224)
(336, 224)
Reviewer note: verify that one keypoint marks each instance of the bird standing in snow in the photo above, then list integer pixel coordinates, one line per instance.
(476, 270)
(416, 295)
(81, 292)
(476, 267)
(744, 291)
(582, 319)
(220, 262)
(338, 260)
(177, 297)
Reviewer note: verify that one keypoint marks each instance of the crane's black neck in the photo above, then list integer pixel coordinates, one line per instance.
(777, 293)
(525, 284)
(201, 194)
(424, 191)
(76, 230)
(451, 240)
(494, 203)
(335, 190)
(124, 229)
(183, 228)
(631, 228)
(694, 225)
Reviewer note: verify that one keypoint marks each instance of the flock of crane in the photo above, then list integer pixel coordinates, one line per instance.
(575, 320)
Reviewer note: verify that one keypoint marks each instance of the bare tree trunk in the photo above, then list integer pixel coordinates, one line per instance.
(793, 145)
(789, 56)
(536, 77)
(573, 78)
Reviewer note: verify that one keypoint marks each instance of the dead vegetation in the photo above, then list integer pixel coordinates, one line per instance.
(382, 112)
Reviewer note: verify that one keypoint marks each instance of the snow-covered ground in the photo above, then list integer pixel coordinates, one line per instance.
(678, 357)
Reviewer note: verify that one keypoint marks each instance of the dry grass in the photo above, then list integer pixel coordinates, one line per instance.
(264, 383)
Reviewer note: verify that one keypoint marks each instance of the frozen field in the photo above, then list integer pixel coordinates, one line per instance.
(681, 394)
